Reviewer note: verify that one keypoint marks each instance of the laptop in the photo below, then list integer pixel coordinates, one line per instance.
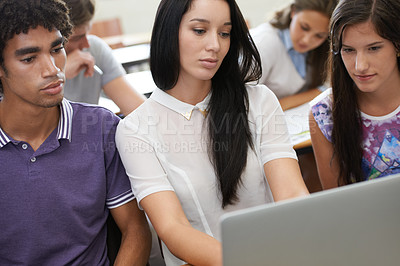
(357, 224)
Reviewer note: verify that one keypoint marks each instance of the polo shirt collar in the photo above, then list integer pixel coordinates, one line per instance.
(64, 124)
(3, 138)
(178, 106)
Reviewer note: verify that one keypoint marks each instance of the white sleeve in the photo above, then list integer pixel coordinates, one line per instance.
(271, 127)
(140, 159)
(267, 43)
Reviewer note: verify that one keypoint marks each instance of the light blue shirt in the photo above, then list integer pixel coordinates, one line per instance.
(298, 59)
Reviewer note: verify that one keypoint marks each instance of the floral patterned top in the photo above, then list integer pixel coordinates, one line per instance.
(381, 137)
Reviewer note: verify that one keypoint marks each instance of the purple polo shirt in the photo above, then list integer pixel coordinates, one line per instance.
(54, 201)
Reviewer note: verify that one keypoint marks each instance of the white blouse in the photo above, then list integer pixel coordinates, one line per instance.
(278, 71)
(163, 145)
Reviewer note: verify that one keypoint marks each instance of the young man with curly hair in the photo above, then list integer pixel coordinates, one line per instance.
(61, 174)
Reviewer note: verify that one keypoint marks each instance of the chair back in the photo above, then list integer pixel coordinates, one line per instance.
(106, 28)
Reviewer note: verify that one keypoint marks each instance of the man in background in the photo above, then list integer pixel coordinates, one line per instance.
(84, 52)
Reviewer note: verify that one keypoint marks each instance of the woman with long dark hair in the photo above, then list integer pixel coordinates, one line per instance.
(205, 143)
(355, 127)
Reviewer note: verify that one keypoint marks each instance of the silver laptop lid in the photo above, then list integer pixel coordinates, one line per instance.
(354, 225)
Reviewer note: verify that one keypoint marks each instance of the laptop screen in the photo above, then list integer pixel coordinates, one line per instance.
(357, 224)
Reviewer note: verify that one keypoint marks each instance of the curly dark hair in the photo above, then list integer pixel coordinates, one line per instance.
(19, 16)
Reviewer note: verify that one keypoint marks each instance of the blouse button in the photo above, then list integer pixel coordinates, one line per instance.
(24, 146)
(33, 159)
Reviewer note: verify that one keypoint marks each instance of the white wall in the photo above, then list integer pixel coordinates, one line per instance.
(137, 16)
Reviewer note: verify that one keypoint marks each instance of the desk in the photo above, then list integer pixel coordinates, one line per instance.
(299, 130)
(297, 121)
(109, 104)
(132, 55)
(125, 40)
(142, 81)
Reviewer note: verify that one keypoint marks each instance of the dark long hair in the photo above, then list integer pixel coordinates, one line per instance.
(317, 58)
(347, 124)
(228, 108)
(20, 16)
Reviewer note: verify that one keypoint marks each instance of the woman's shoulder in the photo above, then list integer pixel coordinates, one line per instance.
(258, 90)
(270, 46)
(324, 98)
(263, 29)
(321, 109)
(261, 97)
(321, 106)
(265, 33)
(138, 117)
